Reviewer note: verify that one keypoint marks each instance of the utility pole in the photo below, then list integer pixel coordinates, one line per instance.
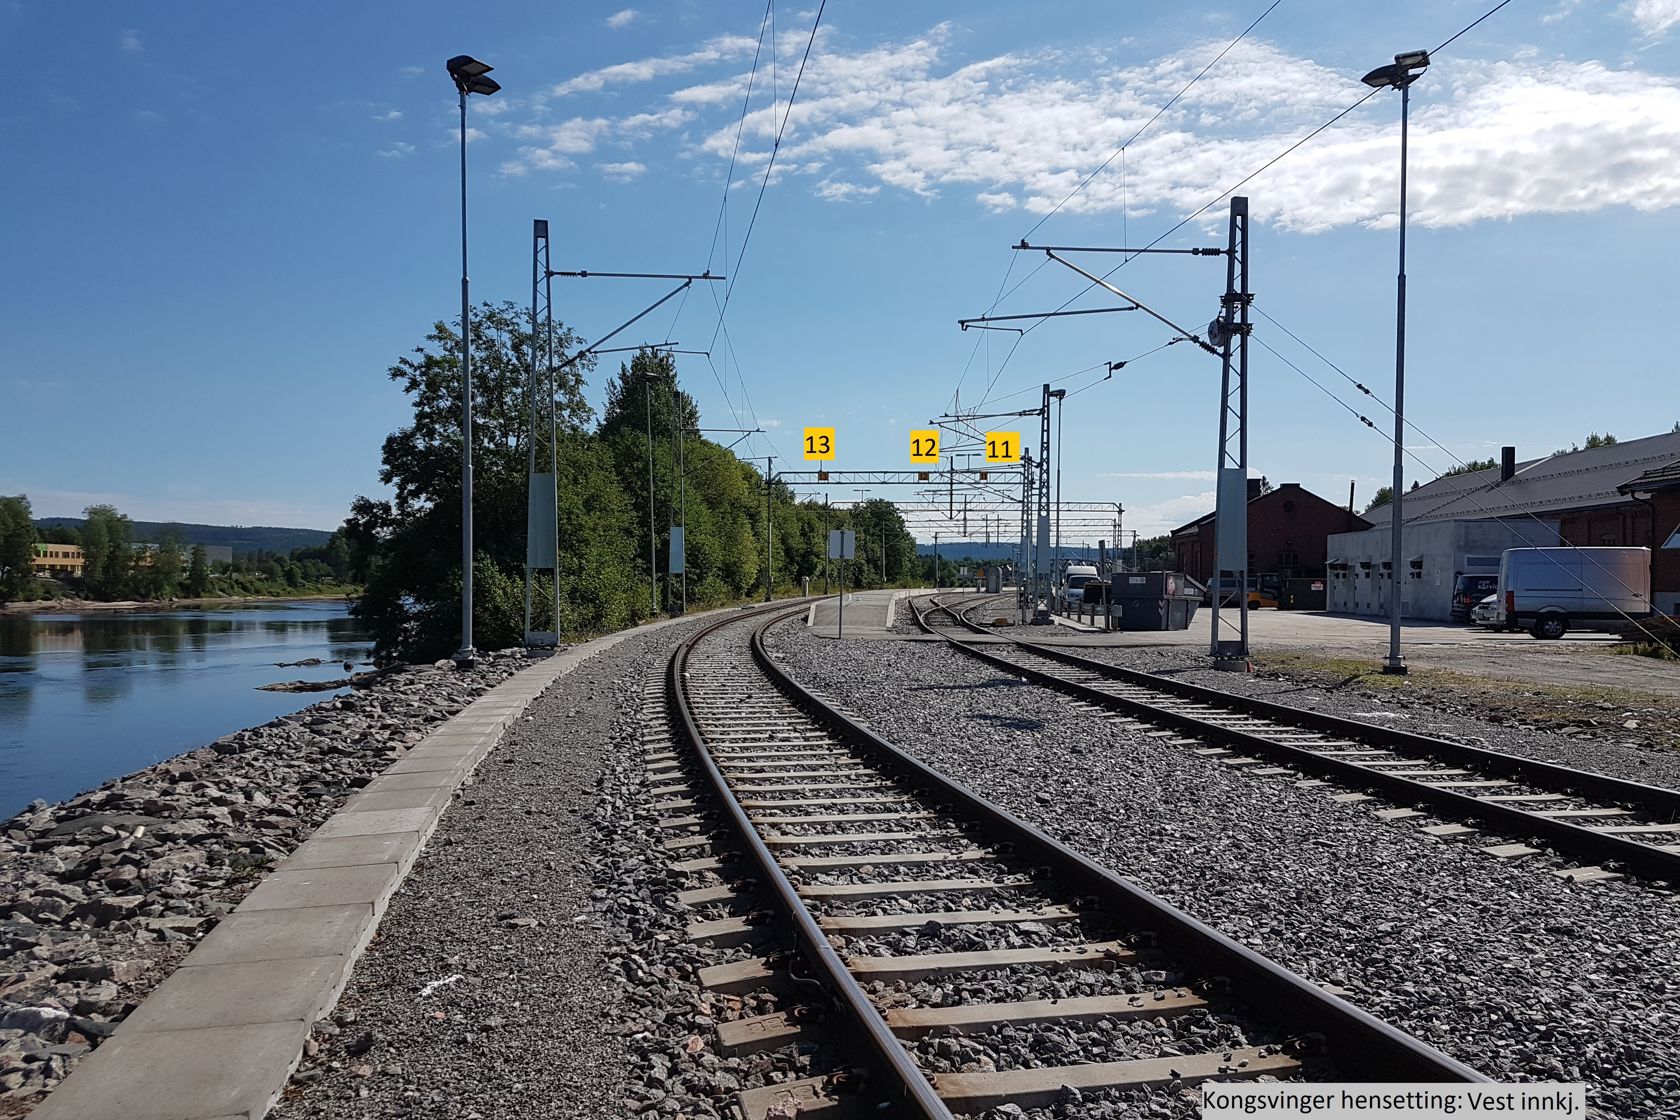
(936, 559)
(653, 540)
(1230, 545)
(826, 560)
(769, 525)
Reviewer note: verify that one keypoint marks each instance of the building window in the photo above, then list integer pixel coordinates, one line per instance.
(1289, 559)
(1607, 538)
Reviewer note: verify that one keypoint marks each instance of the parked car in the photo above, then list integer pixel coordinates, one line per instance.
(1548, 590)
(1490, 612)
(1469, 591)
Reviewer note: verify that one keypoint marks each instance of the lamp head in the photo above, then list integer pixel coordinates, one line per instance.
(1058, 393)
(1402, 72)
(469, 75)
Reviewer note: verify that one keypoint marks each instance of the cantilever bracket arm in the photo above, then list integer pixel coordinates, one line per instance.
(978, 321)
(1190, 336)
(596, 346)
(1115, 249)
(584, 274)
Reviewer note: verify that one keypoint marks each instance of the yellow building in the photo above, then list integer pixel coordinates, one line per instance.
(59, 560)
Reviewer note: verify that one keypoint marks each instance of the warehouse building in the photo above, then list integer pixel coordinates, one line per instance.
(1625, 494)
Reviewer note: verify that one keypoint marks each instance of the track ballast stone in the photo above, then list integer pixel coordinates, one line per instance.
(1499, 964)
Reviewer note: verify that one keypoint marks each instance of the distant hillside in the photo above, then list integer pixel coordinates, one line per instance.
(241, 538)
(973, 550)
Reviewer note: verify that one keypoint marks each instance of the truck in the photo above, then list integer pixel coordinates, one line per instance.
(1549, 590)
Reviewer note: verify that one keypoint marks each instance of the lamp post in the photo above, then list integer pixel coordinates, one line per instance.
(1400, 74)
(469, 75)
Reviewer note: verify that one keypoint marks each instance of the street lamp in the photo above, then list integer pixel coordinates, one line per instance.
(1406, 68)
(469, 75)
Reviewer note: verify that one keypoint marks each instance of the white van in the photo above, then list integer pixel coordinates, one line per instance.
(1075, 578)
(1549, 590)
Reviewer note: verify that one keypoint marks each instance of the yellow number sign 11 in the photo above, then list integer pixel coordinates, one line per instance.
(1003, 447)
(819, 443)
(924, 445)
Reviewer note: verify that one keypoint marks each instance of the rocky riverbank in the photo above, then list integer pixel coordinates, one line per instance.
(102, 895)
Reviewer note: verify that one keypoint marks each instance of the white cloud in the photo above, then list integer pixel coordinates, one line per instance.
(623, 172)
(131, 41)
(557, 144)
(1653, 17)
(397, 150)
(1019, 131)
(721, 49)
(836, 191)
(1159, 517)
(393, 115)
(622, 19)
(411, 71)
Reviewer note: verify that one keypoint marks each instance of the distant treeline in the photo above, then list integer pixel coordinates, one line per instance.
(118, 565)
(240, 538)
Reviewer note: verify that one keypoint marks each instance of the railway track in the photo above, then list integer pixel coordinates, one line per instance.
(1616, 824)
(961, 957)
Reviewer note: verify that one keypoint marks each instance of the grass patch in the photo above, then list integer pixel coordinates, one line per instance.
(1657, 650)
(1549, 706)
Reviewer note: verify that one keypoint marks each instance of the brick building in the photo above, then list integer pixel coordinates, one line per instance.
(1288, 532)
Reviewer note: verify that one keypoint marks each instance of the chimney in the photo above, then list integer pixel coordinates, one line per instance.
(1507, 463)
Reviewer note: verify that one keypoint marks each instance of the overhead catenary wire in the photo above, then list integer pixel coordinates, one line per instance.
(1002, 294)
(1083, 183)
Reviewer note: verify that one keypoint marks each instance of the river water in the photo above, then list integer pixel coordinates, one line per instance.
(85, 697)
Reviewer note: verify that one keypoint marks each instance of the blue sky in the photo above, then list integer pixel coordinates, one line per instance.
(224, 222)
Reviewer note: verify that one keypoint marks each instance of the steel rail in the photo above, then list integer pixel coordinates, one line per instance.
(1578, 840)
(1365, 1048)
(911, 1083)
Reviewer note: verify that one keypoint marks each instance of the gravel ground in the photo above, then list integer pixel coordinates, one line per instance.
(1501, 965)
(510, 912)
(102, 895)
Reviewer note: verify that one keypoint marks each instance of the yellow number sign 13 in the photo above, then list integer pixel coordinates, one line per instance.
(819, 443)
(924, 445)
(1003, 447)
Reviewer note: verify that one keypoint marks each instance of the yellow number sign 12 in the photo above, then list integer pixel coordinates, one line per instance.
(1003, 447)
(819, 443)
(924, 445)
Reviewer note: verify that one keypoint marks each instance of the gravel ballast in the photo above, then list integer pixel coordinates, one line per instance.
(102, 895)
(1499, 964)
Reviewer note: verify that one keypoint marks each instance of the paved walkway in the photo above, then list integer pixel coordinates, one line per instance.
(868, 615)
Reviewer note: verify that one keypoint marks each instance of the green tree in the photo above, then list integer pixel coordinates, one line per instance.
(198, 572)
(1470, 467)
(1593, 440)
(413, 590)
(17, 548)
(164, 571)
(108, 549)
(1382, 497)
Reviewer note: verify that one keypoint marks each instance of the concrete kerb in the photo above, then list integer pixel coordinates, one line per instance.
(218, 1039)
